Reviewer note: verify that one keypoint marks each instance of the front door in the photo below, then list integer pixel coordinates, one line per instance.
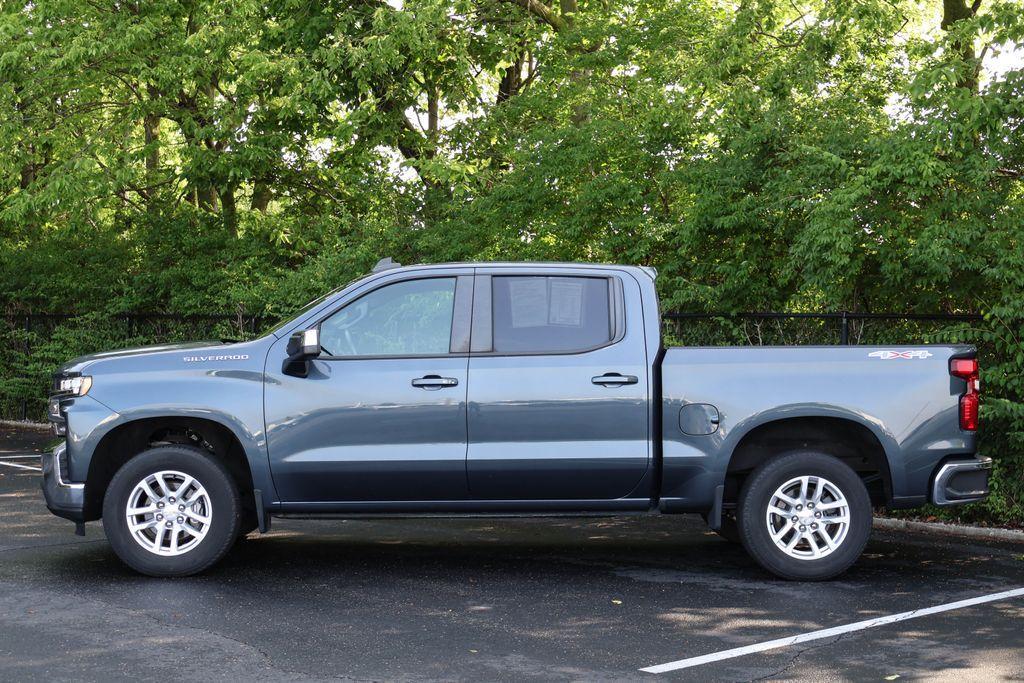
(381, 415)
(558, 390)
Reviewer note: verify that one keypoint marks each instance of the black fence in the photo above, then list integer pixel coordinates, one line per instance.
(32, 345)
(843, 327)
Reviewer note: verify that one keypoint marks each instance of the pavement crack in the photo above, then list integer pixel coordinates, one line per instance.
(796, 657)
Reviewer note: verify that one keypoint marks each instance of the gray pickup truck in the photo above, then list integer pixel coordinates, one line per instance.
(507, 388)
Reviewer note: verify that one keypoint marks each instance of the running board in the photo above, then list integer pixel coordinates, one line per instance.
(461, 515)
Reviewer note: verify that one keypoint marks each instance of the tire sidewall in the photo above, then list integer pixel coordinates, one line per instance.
(762, 484)
(224, 502)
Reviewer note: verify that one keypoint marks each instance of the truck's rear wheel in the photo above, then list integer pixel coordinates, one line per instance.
(171, 511)
(804, 516)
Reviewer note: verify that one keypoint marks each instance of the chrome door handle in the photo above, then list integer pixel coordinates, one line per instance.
(614, 379)
(434, 382)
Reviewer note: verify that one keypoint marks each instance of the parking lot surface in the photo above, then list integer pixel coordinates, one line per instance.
(486, 599)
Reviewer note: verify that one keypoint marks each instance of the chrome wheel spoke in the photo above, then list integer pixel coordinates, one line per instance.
(158, 542)
(815, 551)
(791, 502)
(778, 535)
(162, 485)
(149, 491)
(183, 487)
(197, 517)
(817, 492)
(139, 526)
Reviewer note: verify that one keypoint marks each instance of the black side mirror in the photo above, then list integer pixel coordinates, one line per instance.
(303, 346)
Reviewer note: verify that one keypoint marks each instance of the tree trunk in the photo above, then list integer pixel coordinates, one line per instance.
(511, 80)
(261, 196)
(952, 12)
(229, 210)
(432, 120)
(206, 197)
(28, 173)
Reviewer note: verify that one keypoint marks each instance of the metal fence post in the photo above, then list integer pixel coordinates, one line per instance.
(844, 330)
(28, 354)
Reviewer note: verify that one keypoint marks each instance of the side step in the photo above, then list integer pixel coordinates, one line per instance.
(461, 515)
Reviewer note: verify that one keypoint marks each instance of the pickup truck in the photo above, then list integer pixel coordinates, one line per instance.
(507, 389)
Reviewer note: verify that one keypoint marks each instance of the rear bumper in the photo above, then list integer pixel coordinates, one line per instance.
(961, 481)
(63, 498)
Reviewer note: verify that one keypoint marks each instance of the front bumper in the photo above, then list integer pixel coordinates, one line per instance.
(63, 498)
(961, 481)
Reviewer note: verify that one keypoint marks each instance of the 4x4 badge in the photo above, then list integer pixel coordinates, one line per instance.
(890, 355)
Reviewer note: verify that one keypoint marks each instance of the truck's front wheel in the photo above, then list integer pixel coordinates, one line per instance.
(804, 516)
(171, 511)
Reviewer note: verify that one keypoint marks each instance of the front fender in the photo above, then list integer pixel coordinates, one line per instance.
(228, 393)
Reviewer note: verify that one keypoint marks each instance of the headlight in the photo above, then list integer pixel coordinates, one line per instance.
(75, 386)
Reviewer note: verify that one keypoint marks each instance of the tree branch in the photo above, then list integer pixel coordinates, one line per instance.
(542, 12)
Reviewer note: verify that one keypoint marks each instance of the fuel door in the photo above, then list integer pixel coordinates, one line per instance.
(698, 419)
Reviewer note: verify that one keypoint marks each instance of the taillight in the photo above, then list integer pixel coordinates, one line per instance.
(967, 369)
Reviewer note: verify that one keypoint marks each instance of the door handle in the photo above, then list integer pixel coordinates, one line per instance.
(434, 382)
(613, 379)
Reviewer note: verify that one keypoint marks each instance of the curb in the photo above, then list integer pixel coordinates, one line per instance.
(943, 529)
(26, 425)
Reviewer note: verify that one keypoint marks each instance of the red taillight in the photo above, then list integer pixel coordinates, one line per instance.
(967, 369)
(969, 412)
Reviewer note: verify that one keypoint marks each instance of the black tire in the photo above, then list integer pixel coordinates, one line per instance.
(225, 519)
(757, 493)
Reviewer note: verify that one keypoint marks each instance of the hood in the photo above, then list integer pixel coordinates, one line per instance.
(78, 364)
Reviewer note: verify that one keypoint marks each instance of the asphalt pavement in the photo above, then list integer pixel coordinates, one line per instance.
(488, 600)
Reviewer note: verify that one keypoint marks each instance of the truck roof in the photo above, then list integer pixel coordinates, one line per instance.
(389, 264)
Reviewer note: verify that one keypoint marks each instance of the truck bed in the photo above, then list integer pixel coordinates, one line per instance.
(713, 397)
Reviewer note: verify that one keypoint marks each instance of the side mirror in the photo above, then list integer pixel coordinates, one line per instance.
(303, 346)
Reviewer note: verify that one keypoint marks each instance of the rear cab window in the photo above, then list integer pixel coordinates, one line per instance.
(550, 314)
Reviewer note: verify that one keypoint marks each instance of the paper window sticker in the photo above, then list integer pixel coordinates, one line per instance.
(529, 301)
(566, 302)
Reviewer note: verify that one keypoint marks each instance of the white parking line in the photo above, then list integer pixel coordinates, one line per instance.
(829, 632)
(21, 467)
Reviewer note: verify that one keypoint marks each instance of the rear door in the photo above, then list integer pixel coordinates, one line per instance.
(558, 385)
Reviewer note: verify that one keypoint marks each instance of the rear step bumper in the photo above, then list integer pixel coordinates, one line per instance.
(961, 481)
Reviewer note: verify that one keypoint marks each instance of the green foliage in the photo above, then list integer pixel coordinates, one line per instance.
(243, 157)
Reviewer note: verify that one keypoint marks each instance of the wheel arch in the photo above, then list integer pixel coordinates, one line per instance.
(128, 439)
(848, 439)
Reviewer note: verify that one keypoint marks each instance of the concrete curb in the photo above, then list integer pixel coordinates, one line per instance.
(26, 425)
(941, 528)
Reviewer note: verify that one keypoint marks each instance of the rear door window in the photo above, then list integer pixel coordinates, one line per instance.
(541, 314)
